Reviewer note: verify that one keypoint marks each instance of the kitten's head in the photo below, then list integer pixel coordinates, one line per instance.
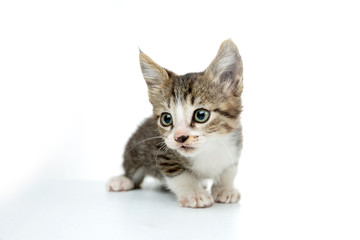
(194, 108)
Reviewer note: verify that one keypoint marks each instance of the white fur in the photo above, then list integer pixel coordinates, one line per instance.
(182, 117)
(225, 63)
(224, 195)
(119, 183)
(223, 188)
(188, 191)
(215, 156)
(149, 72)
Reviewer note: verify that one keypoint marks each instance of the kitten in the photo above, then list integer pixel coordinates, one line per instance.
(194, 133)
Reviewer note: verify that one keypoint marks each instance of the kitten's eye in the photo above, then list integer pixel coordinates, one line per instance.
(201, 115)
(166, 119)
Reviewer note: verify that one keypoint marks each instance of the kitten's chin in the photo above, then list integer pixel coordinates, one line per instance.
(187, 151)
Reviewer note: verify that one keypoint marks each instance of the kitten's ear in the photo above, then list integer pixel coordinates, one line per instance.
(154, 75)
(226, 69)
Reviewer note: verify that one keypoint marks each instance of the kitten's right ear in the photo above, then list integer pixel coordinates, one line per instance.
(226, 69)
(154, 75)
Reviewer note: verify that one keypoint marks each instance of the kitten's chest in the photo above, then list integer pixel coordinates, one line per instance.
(215, 157)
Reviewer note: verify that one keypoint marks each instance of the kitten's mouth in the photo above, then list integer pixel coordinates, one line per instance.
(187, 148)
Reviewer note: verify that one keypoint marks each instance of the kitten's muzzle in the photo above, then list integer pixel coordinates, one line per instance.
(181, 139)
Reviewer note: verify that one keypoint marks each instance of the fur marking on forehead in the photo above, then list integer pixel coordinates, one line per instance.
(182, 86)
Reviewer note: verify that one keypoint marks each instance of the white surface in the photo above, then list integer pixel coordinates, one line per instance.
(71, 94)
(83, 210)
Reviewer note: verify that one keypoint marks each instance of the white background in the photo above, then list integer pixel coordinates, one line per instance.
(71, 94)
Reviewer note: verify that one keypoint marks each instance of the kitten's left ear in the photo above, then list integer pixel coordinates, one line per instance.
(154, 75)
(227, 68)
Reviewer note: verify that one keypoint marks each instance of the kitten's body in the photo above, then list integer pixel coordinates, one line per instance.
(195, 131)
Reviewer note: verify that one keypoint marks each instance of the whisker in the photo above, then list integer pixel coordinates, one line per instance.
(136, 144)
(161, 142)
(156, 161)
(161, 148)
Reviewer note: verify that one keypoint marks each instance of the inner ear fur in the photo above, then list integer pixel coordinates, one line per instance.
(227, 69)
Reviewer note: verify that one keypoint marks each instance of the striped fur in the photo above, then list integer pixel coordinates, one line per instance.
(153, 149)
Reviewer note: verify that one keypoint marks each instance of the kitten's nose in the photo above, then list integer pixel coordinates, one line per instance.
(181, 139)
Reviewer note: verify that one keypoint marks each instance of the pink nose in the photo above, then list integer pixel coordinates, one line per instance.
(181, 138)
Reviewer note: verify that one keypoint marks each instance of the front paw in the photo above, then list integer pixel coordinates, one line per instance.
(222, 195)
(196, 200)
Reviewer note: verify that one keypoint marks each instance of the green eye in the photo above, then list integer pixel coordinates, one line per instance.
(166, 119)
(201, 115)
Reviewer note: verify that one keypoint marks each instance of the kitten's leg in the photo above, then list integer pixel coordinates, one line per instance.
(119, 183)
(132, 178)
(188, 191)
(223, 190)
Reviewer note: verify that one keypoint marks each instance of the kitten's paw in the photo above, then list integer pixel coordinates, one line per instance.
(119, 183)
(196, 200)
(221, 195)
